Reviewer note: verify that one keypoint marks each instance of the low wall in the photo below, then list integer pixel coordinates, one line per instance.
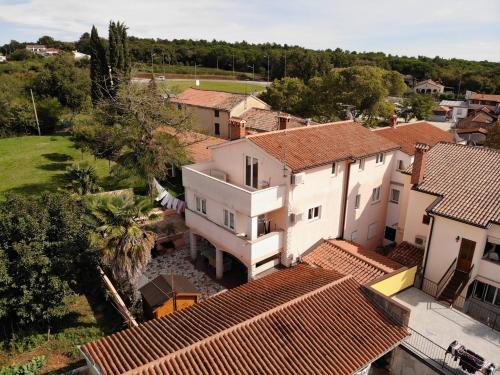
(405, 363)
(395, 282)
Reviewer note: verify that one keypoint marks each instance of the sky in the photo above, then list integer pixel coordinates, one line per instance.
(447, 28)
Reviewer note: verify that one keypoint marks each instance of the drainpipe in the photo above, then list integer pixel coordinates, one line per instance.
(428, 246)
(346, 194)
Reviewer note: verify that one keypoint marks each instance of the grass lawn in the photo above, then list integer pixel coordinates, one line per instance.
(33, 164)
(60, 348)
(231, 86)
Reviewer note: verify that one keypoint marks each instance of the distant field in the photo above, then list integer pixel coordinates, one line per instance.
(32, 164)
(231, 86)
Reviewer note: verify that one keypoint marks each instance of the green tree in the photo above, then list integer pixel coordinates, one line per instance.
(119, 57)
(125, 246)
(416, 106)
(81, 179)
(286, 94)
(33, 367)
(49, 111)
(493, 136)
(44, 246)
(98, 68)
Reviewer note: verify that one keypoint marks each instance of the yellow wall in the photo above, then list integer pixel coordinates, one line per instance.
(396, 283)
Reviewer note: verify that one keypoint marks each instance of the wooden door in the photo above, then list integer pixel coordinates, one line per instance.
(465, 255)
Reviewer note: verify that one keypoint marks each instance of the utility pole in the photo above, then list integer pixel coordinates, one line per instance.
(152, 66)
(163, 63)
(267, 68)
(36, 114)
(285, 64)
(217, 62)
(233, 64)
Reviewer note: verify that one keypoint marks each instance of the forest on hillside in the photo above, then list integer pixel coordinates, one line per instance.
(457, 75)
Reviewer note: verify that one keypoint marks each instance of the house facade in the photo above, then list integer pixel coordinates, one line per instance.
(212, 110)
(428, 87)
(454, 214)
(406, 135)
(267, 198)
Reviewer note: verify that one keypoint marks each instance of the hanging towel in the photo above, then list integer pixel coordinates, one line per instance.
(180, 207)
(158, 187)
(165, 199)
(161, 196)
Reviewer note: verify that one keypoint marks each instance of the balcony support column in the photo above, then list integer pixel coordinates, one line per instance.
(219, 264)
(193, 245)
(251, 272)
(252, 227)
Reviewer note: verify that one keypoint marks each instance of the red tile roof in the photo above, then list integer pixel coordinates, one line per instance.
(300, 320)
(466, 181)
(350, 258)
(313, 146)
(407, 135)
(221, 100)
(407, 254)
(266, 120)
(481, 118)
(488, 97)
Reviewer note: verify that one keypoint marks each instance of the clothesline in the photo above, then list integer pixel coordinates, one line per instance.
(167, 200)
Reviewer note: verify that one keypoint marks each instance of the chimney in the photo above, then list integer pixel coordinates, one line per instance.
(237, 128)
(418, 171)
(393, 121)
(308, 121)
(283, 121)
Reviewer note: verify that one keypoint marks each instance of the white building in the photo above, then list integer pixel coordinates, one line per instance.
(80, 56)
(2, 58)
(428, 87)
(406, 136)
(267, 198)
(454, 213)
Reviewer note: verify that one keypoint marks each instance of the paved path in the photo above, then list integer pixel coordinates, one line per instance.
(179, 263)
(443, 325)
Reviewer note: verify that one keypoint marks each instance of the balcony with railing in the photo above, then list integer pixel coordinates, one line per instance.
(269, 240)
(246, 200)
(489, 265)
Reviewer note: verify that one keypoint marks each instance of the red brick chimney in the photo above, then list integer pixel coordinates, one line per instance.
(237, 128)
(393, 121)
(283, 121)
(418, 171)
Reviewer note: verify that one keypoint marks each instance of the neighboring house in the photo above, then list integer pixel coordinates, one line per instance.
(474, 127)
(428, 87)
(301, 320)
(459, 108)
(258, 120)
(2, 58)
(492, 101)
(212, 110)
(80, 56)
(166, 294)
(36, 48)
(267, 198)
(441, 113)
(454, 214)
(50, 52)
(406, 136)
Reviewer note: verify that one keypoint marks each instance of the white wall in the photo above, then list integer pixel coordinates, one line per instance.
(417, 203)
(362, 182)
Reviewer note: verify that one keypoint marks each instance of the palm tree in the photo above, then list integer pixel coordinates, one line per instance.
(118, 235)
(81, 179)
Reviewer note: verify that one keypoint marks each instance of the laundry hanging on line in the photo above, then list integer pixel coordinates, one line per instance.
(167, 200)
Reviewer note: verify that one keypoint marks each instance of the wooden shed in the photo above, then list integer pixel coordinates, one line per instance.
(167, 293)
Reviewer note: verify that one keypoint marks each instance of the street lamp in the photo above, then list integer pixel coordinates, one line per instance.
(253, 71)
(267, 68)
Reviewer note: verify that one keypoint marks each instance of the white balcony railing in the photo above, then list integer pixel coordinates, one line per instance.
(248, 252)
(248, 202)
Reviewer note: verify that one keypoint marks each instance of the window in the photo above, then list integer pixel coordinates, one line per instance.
(229, 219)
(401, 165)
(201, 205)
(376, 194)
(361, 164)
(334, 169)
(251, 171)
(486, 293)
(426, 219)
(216, 112)
(395, 195)
(217, 129)
(357, 201)
(390, 233)
(380, 158)
(372, 230)
(314, 213)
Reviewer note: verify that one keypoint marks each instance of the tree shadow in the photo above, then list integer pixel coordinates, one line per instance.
(57, 157)
(54, 166)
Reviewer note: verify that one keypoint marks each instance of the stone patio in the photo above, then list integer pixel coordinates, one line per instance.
(179, 262)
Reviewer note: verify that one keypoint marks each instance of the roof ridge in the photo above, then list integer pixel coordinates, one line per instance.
(222, 91)
(471, 147)
(239, 325)
(374, 263)
(303, 128)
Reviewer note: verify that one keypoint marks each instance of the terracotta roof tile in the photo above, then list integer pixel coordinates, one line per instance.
(210, 99)
(407, 254)
(467, 181)
(489, 97)
(266, 120)
(322, 324)
(481, 118)
(407, 135)
(313, 146)
(350, 258)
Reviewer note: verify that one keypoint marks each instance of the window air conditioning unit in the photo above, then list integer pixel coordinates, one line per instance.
(420, 241)
(218, 174)
(295, 217)
(297, 178)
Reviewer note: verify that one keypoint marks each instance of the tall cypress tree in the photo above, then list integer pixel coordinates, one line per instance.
(98, 67)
